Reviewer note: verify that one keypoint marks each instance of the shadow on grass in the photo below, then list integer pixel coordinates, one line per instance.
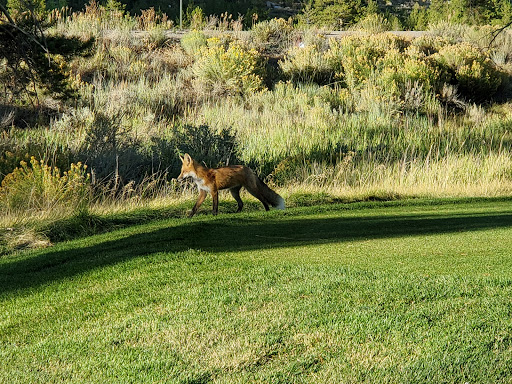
(231, 233)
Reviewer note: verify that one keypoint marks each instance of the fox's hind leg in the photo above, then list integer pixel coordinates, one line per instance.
(235, 192)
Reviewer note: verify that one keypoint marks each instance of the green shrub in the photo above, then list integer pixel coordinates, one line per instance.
(215, 147)
(193, 42)
(287, 169)
(310, 65)
(38, 186)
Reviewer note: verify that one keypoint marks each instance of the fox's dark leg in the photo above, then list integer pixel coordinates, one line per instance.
(200, 199)
(215, 197)
(235, 192)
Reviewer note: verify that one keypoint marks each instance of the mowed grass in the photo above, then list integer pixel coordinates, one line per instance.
(398, 292)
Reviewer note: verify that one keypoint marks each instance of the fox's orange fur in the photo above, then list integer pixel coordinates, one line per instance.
(233, 177)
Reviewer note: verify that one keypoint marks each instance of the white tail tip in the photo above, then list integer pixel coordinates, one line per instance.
(280, 205)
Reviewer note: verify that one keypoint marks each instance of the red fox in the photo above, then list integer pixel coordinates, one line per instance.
(233, 177)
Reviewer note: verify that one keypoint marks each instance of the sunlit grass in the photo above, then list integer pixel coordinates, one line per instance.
(410, 291)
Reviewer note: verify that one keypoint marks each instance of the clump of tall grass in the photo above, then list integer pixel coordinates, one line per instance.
(223, 22)
(320, 127)
(130, 61)
(373, 23)
(150, 19)
(286, 118)
(366, 176)
(95, 20)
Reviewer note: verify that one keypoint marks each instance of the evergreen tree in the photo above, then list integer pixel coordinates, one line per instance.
(34, 62)
(334, 13)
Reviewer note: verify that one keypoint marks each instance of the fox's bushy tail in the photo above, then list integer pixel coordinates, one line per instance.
(270, 196)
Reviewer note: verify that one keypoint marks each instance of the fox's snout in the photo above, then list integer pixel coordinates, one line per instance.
(183, 175)
(186, 160)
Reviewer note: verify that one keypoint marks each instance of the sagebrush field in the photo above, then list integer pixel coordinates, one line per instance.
(362, 116)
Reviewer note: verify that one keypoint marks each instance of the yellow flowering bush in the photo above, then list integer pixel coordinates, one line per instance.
(428, 44)
(363, 55)
(231, 69)
(38, 186)
(471, 70)
(309, 64)
(404, 68)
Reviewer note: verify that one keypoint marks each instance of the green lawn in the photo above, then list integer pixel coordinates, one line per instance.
(415, 291)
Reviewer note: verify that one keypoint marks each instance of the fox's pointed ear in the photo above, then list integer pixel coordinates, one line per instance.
(181, 158)
(187, 159)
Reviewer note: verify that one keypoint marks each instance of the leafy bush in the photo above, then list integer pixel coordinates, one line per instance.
(227, 70)
(39, 186)
(334, 14)
(214, 147)
(475, 74)
(272, 36)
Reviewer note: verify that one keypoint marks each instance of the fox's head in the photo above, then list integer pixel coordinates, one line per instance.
(187, 167)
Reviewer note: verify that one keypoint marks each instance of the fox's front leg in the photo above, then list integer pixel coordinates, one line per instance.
(215, 198)
(200, 199)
